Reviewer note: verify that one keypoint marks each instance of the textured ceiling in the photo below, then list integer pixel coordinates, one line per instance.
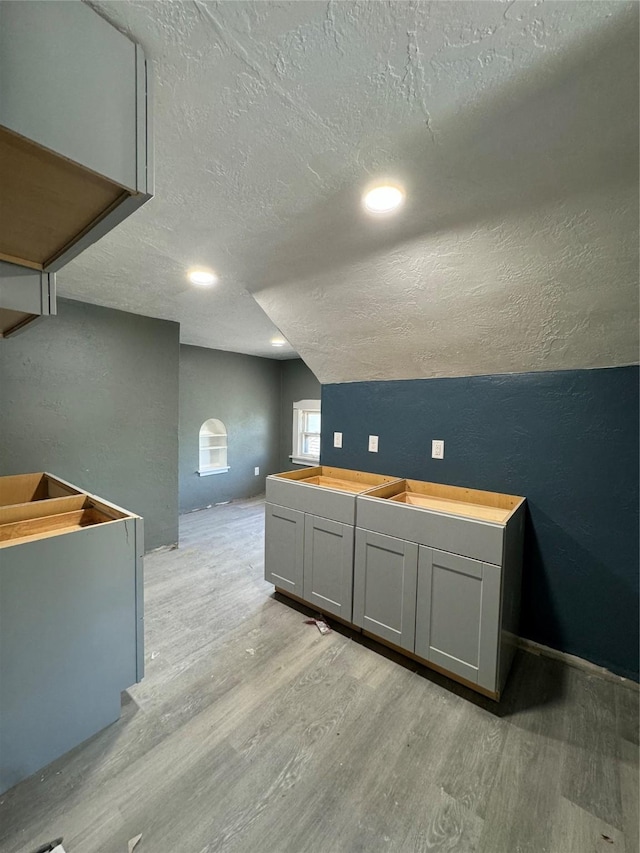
(512, 125)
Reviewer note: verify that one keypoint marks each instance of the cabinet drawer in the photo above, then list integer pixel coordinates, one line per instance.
(480, 540)
(314, 500)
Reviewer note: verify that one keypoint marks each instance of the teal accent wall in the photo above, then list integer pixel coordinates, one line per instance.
(567, 441)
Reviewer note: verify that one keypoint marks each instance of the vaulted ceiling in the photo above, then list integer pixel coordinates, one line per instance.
(513, 127)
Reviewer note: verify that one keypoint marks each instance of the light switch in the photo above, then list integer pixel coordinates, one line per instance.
(437, 449)
(256, 471)
(337, 439)
(373, 443)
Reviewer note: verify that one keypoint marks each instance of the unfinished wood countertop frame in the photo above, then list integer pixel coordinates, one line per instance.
(36, 506)
(494, 507)
(337, 479)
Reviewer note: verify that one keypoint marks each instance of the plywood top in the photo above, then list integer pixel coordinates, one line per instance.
(42, 508)
(47, 202)
(29, 530)
(333, 483)
(468, 510)
(471, 503)
(23, 488)
(11, 321)
(343, 479)
(44, 500)
(20, 488)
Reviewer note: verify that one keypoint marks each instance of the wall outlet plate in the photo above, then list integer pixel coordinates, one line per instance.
(337, 439)
(256, 471)
(373, 443)
(437, 448)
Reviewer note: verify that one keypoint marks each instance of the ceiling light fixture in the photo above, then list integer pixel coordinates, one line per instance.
(383, 199)
(278, 342)
(203, 278)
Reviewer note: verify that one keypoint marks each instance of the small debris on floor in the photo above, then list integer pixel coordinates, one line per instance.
(250, 651)
(320, 624)
(133, 841)
(607, 838)
(51, 847)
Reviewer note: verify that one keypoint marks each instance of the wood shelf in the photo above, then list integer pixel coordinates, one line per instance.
(52, 525)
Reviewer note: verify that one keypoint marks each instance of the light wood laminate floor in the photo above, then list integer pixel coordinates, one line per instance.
(252, 732)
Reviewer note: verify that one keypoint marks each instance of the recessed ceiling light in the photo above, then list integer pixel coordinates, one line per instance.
(203, 278)
(278, 342)
(383, 199)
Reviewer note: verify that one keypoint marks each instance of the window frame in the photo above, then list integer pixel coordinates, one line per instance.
(300, 409)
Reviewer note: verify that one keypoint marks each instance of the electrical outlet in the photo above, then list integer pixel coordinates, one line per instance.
(437, 448)
(256, 471)
(373, 443)
(337, 439)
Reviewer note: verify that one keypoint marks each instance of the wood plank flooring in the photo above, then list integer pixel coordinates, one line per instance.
(253, 732)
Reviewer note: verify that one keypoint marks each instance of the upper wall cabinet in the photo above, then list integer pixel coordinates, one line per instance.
(25, 296)
(75, 140)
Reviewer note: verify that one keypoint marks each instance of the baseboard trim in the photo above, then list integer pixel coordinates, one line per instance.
(574, 661)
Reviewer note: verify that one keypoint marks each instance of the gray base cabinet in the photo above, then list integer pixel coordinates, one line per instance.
(437, 573)
(430, 569)
(311, 558)
(442, 607)
(71, 618)
(385, 571)
(309, 534)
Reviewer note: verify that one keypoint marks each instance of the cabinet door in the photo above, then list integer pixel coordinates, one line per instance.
(328, 565)
(284, 547)
(384, 592)
(458, 615)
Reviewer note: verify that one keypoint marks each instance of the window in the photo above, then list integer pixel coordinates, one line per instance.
(306, 432)
(213, 448)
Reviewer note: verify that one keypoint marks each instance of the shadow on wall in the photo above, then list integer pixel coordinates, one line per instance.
(566, 128)
(600, 598)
